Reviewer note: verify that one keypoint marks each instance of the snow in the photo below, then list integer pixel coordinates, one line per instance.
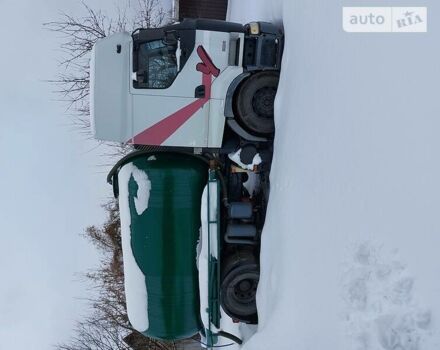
(379, 298)
(143, 192)
(349, 257)
(134, 279)
(235, 157)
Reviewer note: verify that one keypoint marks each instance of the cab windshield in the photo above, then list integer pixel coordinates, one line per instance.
(155, 65)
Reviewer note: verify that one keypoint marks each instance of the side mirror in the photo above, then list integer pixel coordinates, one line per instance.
(178, 54)
(170, 38)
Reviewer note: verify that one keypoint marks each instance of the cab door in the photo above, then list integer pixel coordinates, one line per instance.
(168, 106)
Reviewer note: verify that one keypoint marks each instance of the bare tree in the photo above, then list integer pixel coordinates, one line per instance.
(150, 14)
(79, 34)
(94, 334)
(108, 326)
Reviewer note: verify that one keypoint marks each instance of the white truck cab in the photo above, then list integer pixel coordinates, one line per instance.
(180, 85)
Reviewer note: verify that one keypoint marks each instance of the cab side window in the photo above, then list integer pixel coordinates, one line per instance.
(155, 65)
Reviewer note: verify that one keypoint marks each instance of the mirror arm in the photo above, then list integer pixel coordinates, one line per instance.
(178, 54)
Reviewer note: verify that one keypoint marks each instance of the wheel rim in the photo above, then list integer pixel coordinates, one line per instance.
(241, 294)
(263, 102)
(245, 290)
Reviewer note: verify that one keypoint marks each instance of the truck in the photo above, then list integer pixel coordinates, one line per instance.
(195, 99)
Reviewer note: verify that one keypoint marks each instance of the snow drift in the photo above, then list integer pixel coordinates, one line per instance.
(136, 294)
(350, 248)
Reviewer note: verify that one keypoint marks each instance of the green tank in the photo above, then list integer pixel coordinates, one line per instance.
(163, 234)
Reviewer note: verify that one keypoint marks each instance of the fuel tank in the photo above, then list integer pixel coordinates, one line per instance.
(160, 198)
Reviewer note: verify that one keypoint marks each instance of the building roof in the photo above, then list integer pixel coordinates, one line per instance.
(215, 9)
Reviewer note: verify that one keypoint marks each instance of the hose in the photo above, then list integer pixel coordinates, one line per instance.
(140, 153)
(210, 162)
(223, 334)
(230, 337)
(221, 178)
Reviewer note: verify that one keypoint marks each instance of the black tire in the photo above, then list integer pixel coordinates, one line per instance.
(239, 288)
(255, 102)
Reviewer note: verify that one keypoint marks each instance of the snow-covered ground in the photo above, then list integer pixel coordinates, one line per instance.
(350, 252)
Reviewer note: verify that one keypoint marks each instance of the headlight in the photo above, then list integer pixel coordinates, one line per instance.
(254, 28)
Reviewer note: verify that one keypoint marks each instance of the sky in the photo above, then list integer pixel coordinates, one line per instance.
(51, 182)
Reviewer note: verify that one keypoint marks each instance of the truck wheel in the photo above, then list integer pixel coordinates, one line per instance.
(239, 289)
(255, 102)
